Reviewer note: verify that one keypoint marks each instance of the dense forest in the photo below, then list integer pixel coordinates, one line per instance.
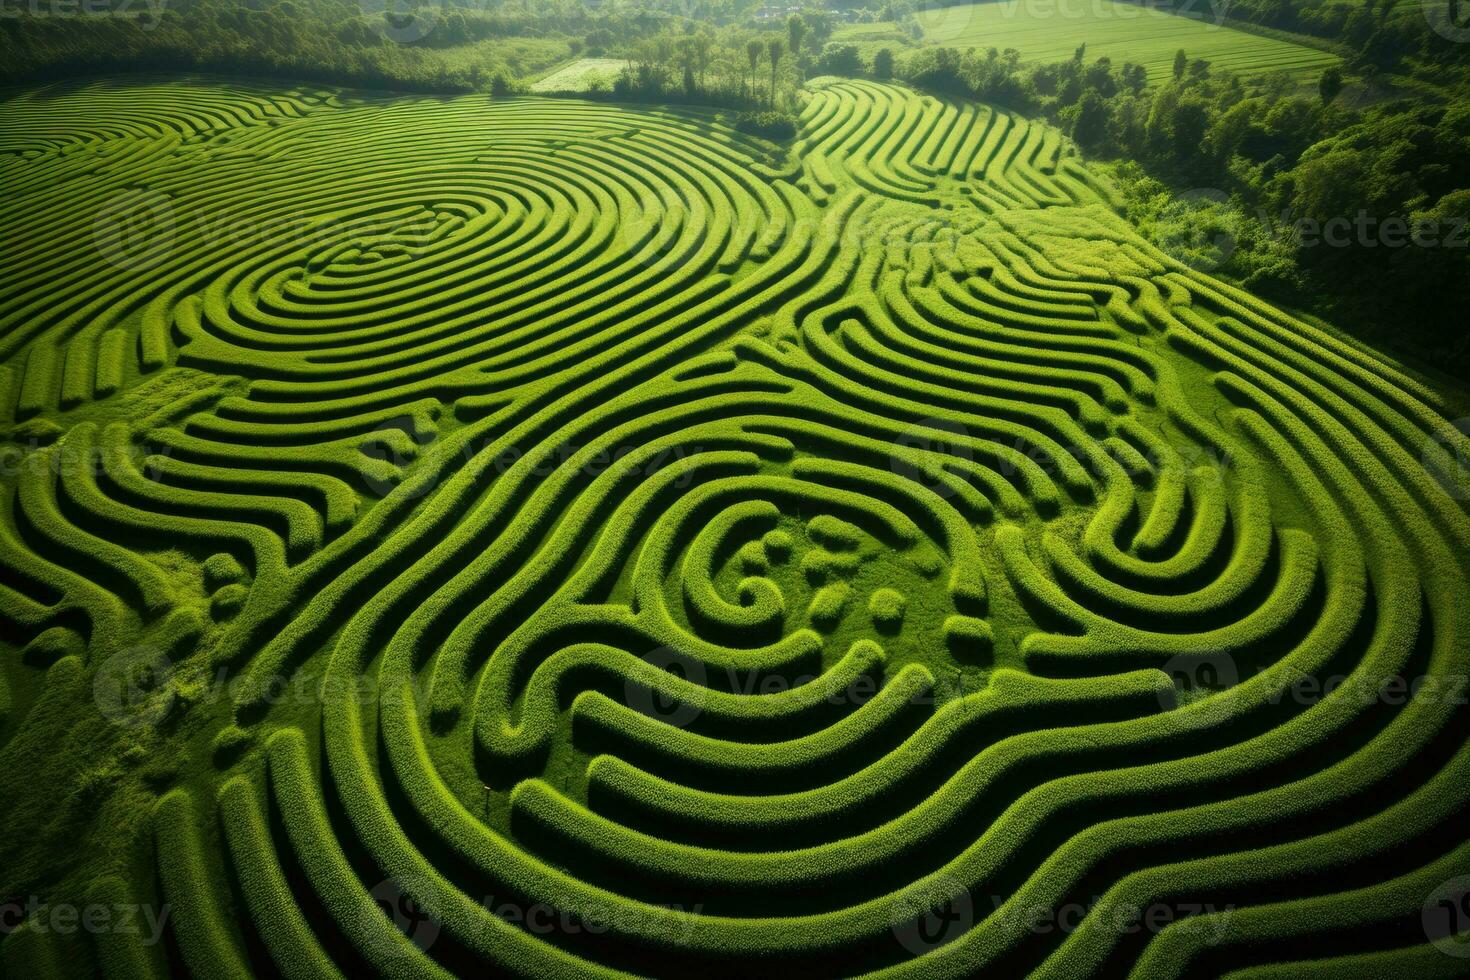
(1357, 212)
(446, 47)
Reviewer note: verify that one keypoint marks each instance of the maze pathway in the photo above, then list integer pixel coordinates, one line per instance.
(563, 539)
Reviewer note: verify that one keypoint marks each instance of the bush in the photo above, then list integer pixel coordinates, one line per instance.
(883, 64)
(768, 123)
(841, 59)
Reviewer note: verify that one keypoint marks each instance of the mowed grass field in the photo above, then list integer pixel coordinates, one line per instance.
(535, 537)
(580, 75)
(514, 56)
(1051, 30)
(869, 39)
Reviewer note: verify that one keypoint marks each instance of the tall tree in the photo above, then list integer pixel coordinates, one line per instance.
(795, 31)
(753, 52)
(704, 43)
(1330, 85)
(1135, 78)
(774, 49)
(1181, 63)
(883, 63)
(688, 58)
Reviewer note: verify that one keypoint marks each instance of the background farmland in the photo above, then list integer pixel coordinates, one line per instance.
(1051, 30)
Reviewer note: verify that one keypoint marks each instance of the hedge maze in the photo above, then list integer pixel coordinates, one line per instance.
(703, 557)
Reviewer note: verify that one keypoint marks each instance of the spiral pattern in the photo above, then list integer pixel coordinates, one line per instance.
(796, 562)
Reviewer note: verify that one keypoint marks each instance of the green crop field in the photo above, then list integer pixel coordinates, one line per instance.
(581, 74)
(875, 31)
(1050, 30)
(869, 39)
(482, 537)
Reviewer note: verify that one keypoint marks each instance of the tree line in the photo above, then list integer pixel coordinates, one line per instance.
(401, 47)
(734, 66)
(1357, 214)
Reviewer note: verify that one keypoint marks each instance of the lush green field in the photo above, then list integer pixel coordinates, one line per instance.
(453, 536)
(869, 39)
(876, 31)
(516, 56)
(580, 75)
(1050, 30)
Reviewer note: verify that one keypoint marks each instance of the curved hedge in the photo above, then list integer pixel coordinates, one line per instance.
(572, 540)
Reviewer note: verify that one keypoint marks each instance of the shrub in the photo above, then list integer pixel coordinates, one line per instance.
(887, 606)
(883, 63)
(769, 123)
(841, 59)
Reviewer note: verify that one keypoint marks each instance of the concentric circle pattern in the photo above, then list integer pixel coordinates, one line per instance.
(706, 559)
